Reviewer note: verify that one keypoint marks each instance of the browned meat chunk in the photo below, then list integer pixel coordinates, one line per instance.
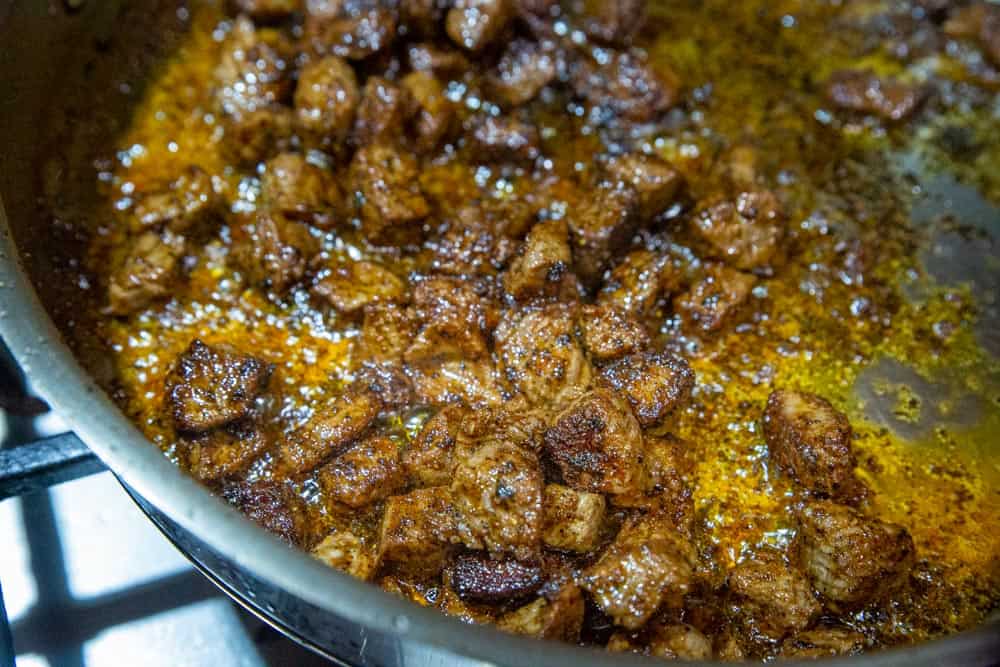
(544, 266)
(273, 506)
(437, 59)
(627, 86)
(498, 493)
(350, 288)
(385, 109)
(655, 181)
(540, 352)
(469, 248)
(417, 531)
(184, 204)
(613, 21)
(268, 10)
(326, 100)
(647, 565)
(473, 24)
(330, 430)
(430, 458)
(434, 116)
(386, 332)
(255, 70)
(980, 21)
(667, 469)
(388, 381)
(597, 444)
(212, 386)
(654, 384)
(299, 190)
(354, 29)
(849, 558)
(476, 577)
(505, 138)
(226, 451)
(638, 284)
(272, 251)
(678, 641)
(714, 300)
(810, 440)
(610, 333)
(864, 91)
(823, 643)
(600, 229)
(345, 551)
(456, 321)
(475, 383)
(775, 598)
(367, 472)
(573, 519)
(391, 205)
(524, 69)
(148, 273)
(558, 615)
(255, 135)
(515, 423)
(421, 17)
(745, 234)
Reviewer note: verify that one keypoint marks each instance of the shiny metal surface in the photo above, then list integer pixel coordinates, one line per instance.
(296, 594)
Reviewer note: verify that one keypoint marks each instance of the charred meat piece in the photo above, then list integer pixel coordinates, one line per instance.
(353, 29)
(524, 69)
(255, 70)
(298, 190)
(474, 24)
(473, 382)
(211, 386)
(185, 203)
(330, 430)
(387, 331)
(601, 228)
(665, 489)
(456, 320)
(326, 101)
(810, 440)
(865, 92)
(851, 559)
(745, 234)
(514, 423)
(148, 273)
(505, 139)
(597, 444)
(557, 615)
(613, 21)
(655, 181)
(388, 381)
(345, 551)
(388, 196)
(573, 519)
(610, 333)
(385, 110)
(497, 491)
(430, 458)
(714, 300)
(540, 352)
(648, 565)
(271, 505)
(544, 266)
(268, 10)
(476, 577)
(823, 643)
(252, 136)
(469, 248)
(226, 451)
(654, 384)
(367, 472)
(626, 85)
(434, 115)
(417, 531)
(350, 288)
(773, 596)
(640, 282)
(272, 252)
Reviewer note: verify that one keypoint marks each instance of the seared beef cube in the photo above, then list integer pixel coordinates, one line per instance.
(654, 384)
(456, 321)
(655, 181)
(556, 615)
(851, 559)
(678, 641)
(610, 333)
(639, 282)
(388, 381)
(865, 92)
(255, 70)
(417, 531)
(367, 472)
(540, 352)
(981, 21)
(473, 382)
(255, 135)
(462, 250)
(774, 597)
(345, 551)
(745, 234)
(505, 139)
(225, 451)
(649, 564)
(354, 29)
(299, 190)
(573, 519)
(330, 430)
(473, 24)
(434, 115)
(271, 251)
(524, 69)
(268, 10)
(184, 204)
(544, 266)
(613, 21)
(498, 494)
(210, 386)
(809, 440)
(326, 100)
(149, 272)
(667, 469)
(385, 109)
(597, 444)
(421, 17)
(430, 458)
(386, 332)
(350, 288)
(512, 424)
(271, 505)
(391, 205)
(823, 643)
(476, 577)
(716, 299)
(627, 85)
(600, 229)
(437, 59)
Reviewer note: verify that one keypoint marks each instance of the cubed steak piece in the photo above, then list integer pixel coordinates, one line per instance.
(417, 531)
(326, 101)
(773, 596)
(434, 117)
(555, 615)
(430, 458)
(825, 642)
(640, 284)
(148, 272)
(716, 299)
(224, 452)
(353, 29)
(745, 233)
(613, 21)
(654, 383)
(610, 333)
(455, 318)
(505, 139)
(330, 430)
(352, 286)
(386, 187)
(627, 85)
(367, 472)
(601, 228)
(979, 21)
(572, 519)
(299, 190)
(271, 505)
(271, 251)
(184, 203)
(387, 330)
(524, 69)
(384, 111)
(474, 24)
(345, 551)
(670, 641)
(255, 69)
(210, 386)
(654, 180)
(865, 92)
(851, 559)
(476, 577)
(544, 265)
